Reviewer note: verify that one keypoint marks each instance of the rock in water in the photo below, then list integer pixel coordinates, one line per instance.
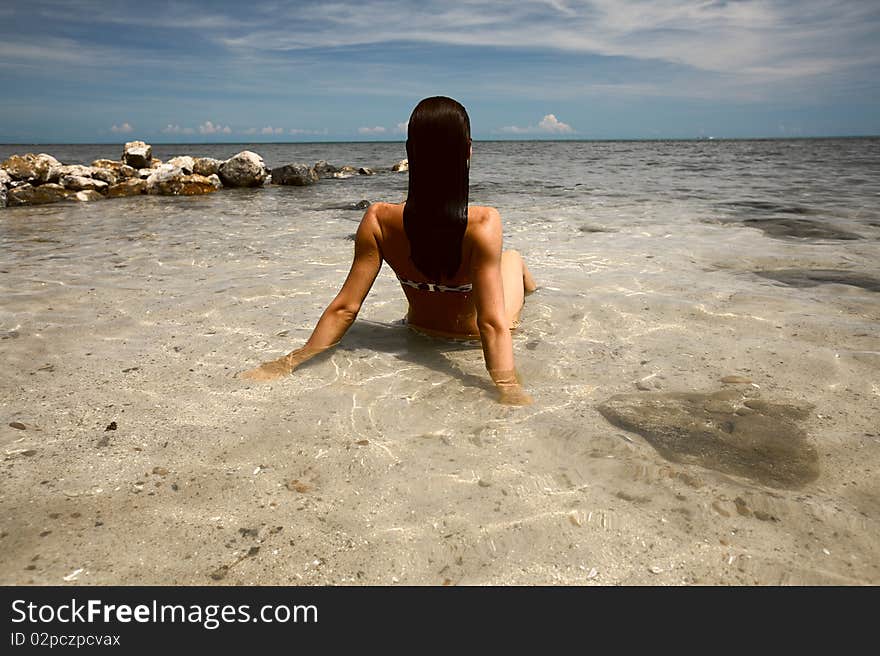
(119, 169)
(194, 185)
(401, 166)
(30, 195)
(4, 180)
(69, 169)
(366, 171)
(105, 175)
(137, 154)
(323, 169)
(207, 166)
(164, 180)
(30, 168)
(727, 431)
(130, 187)
(815, 277)
(246, 169)
(802, 228)
(299, 175)
(87, 195)
(169, 180)
(184, 162)
(81, 183)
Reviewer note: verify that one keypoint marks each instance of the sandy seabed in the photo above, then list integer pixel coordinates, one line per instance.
(132, 454)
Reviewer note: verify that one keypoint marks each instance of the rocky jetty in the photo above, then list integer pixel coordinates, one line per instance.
(35, 179)
(298, 175)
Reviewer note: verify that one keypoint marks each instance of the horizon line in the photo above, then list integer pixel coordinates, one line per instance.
(390, 141)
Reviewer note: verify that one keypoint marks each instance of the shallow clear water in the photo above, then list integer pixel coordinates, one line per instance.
(648, 257)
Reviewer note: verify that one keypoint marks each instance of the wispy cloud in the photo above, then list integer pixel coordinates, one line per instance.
(770, 39)
(589, 60)
(123, 128)
(15, 52)
(763, 39)
(549, 125)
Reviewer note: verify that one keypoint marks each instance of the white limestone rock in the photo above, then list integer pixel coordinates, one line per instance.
(137, 154)
(246, 169)
(184, 162)
(82, 183)
(207, 166)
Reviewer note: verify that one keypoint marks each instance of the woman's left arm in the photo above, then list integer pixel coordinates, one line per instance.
(342, 311)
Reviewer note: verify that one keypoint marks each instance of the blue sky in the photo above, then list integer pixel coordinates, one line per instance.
(339, 70)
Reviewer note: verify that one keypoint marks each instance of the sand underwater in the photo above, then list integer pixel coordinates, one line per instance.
(706, 398)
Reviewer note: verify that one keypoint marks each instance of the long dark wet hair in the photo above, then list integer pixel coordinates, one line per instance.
(435, 215)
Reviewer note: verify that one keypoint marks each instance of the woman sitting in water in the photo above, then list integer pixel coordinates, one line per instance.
(446, 255)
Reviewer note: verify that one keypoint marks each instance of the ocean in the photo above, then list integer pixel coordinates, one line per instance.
(703, 352)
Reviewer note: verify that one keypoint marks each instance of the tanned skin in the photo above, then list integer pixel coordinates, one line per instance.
(500, 281)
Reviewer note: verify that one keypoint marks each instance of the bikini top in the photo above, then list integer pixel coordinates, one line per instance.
(436, 287)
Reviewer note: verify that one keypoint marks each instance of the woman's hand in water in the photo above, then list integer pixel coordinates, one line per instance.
(268, 370)
(510, 392)
(513, 395)
(282, 366)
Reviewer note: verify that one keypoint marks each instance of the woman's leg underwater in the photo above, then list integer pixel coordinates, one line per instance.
(517, 282)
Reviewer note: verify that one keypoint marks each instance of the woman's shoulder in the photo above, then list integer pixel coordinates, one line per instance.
(381, 209)
(483, 219)
(383, 213)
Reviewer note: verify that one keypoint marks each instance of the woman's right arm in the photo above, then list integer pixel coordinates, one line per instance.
(342, 311)
(492, 318)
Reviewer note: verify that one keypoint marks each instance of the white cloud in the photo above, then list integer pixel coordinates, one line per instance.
(211, 128)
(553, 125)
(402, 127)
(547, 125)
(250, 131)
(124, 128)
(372, 131)
(176, 129)
(270, 130)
